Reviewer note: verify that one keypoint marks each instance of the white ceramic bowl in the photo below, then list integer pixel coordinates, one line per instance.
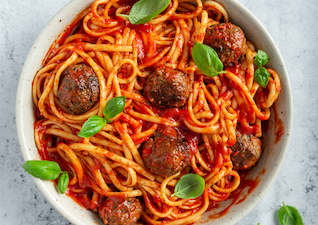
(271, 160)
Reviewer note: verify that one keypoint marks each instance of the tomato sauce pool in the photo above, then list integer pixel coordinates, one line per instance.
(246, 187)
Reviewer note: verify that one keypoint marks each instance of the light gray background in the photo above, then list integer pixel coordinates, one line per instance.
(293, 24)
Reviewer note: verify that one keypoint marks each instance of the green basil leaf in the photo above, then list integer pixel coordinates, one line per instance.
(261, 58)
(207, 60)
(92, 126)
(289, 215)
(95, 123)
(63, 182)
(145, 10)
(261, 76)
(45, 170)
(189, 186)
(114, 106)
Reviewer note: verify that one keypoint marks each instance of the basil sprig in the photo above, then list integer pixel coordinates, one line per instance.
(261, 74)
(189, 186)
(289, 215)
(95, 123)
(63, 182)
(47, 170)
(114, 106)
(145, 10)
(207, 60)
(261, 58)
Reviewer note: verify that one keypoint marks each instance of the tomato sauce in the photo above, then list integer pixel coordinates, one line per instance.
(143, 43)
(140, 47)
(246, 186)
(180, 115)
(244, 126)
(279, 126)
(67, 31)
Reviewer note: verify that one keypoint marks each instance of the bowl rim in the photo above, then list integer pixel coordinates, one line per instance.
(289, 110)
(23, 91)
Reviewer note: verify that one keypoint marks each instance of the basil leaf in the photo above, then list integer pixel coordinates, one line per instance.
(261, 76)
(189, 186)
(45, 170)
(95, 123)
(261, 58)
(289, 215)
(92, 126)
(114, 106)
(63, 182)
(145, 10)
(207, 60)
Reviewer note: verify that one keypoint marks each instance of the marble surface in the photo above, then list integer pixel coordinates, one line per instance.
(293, 26)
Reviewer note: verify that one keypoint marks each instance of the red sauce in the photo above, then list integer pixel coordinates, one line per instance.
(173, 113)
(246, 186)
(140, 47)
(128, 2)
(128, 119)
(279, 126)
(190, 44)
(219, 156)
(244, 126)
(227, 94)
(146, 28)
(84, 197)
(250, 185)
(141, 140)
(180, 115)
(146, 152)
(43, 142)
(191, 138)
(59, 41)
(37, 115)
(236, 68)
(143, 42)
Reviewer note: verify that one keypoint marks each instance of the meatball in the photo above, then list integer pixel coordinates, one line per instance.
(166, 153)
(167, 88)
(119, 211)
(79, 89)
(228, 41)
(246, 151)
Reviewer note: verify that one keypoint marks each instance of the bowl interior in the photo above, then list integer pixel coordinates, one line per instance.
(265, 171)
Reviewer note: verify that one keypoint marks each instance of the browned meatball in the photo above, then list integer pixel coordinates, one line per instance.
(79, 89)
(120, 211)
(246, 151)
(166, 153)
(167, 88)
(228, 41)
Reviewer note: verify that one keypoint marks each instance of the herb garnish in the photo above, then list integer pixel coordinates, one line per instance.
(261, 75)
(95, 123)
(63, 182)
(207, 60)
(289, 215)
(47, 170)
(189, 186)
(145, 10)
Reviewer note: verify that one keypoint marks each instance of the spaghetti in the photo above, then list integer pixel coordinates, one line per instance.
(121, 57)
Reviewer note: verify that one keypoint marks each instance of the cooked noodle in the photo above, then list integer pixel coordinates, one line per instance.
(122, 56)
